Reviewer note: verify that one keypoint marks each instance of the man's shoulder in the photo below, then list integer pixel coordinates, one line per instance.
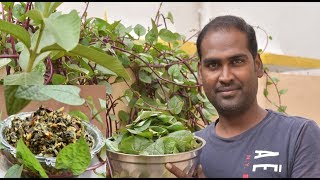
(204, 131)
(291, 120)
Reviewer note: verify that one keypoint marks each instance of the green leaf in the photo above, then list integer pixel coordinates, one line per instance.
(123, 116)
(75, 157)
(17, 31)
(134, 144)
(35, 15)
(64, 93)
(265, 92)
(76, 68)
(54, 6)
(283, 91)
(170, 17)
(18, 11)
(275, 80)
(152, 35)
(31, 92)
(105, 71)
(13, 104)
(85, 65)
(139, 30)
(24, 78)
(282, 108)
(175, 105)
(167, 35)
(176, 127)
(145, 125)
(14, 171)
(174, 70)
(65, 29)
(40, 68)
(108, 88)
(29, 159)
(58, 79)
(40, 58)
(270, 37)
(146, 114)
(103, 103)
(79, 114)
(24, 59)
(98, 57)
(144, 77)
(4, 62)
(185, 140)
(156, 148)
(93, 108)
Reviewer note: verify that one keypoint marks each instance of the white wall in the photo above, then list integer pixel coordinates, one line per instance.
(185, 15)
(294, 26)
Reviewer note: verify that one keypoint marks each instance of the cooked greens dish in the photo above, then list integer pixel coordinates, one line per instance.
(153, 133)
(46, 132)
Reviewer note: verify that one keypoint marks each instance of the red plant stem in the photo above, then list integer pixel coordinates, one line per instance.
(9, 56)
(123, 50)
(49, 63)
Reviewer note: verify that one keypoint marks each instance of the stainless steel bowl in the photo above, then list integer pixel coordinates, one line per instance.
(152, 166)
(48, 162)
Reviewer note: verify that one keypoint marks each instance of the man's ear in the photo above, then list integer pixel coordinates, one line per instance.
(259, 66)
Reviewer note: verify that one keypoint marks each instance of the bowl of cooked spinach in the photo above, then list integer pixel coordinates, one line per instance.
(46, 132)
(142, 148)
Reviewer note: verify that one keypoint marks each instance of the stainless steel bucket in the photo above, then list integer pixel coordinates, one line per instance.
(152, 166)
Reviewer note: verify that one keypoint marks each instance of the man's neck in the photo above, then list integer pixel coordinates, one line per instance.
(229, 126)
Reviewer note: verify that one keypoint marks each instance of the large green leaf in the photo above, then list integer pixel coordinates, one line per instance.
(13, 104)
(65, 29)
(139, 30)
(29, 159)
(98, 57)
(156, 148)
(167, 35)
(31, 92)
(134, 144)
(24, 78)
(17, 31)
(63, 93)
(75, 157)
(175, 105)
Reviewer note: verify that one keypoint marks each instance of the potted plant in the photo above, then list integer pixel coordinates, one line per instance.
(48, 142)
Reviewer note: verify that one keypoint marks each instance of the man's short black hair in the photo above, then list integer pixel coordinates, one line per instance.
(225, 23)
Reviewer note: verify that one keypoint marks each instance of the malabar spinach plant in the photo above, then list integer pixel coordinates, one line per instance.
(153, 133)
(272, 80)
(38, 41)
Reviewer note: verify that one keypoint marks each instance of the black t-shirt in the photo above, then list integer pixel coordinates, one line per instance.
(278, 146)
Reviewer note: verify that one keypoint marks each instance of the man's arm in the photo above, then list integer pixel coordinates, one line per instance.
(307, 152)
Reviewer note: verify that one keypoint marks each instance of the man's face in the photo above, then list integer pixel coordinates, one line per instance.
(228, 72)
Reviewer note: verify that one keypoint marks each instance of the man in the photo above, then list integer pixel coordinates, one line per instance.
(247, 141)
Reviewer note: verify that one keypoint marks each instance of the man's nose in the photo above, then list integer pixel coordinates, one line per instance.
(226, 75)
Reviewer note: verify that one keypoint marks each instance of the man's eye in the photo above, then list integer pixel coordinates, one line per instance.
(237, 61)
(213, 65)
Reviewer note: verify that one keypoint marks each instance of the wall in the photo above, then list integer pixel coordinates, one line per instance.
(301, 99)
(292, 25)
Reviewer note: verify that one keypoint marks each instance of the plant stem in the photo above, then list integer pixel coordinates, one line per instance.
(33, 53)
